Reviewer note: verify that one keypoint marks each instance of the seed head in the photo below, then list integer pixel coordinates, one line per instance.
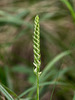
(36, 45)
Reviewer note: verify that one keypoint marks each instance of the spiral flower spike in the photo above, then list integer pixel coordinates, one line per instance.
(36, 45)
(36, 50)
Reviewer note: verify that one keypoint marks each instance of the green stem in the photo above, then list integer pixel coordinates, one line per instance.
(37, 85)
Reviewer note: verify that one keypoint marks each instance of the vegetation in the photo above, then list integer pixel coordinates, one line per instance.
(57, 43)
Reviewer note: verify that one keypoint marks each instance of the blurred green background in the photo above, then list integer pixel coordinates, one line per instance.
(57, 28)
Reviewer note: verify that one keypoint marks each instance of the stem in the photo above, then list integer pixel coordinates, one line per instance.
(37, 85)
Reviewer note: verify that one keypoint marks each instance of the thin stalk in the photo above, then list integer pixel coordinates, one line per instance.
(37, 86)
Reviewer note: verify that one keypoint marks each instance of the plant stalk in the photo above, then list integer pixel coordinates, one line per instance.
(37, 86)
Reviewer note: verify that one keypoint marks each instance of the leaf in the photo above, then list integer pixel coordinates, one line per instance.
(10, 91)
(27, 91)
(22, 69)
(41, 84)
(22, 14)
(74, 97)
(54, 82)
(8, 77)
(14, 21)
(26, 99)
(55, 72)
(70, 8)
(3, 13)
(7, 95)
(51, 63)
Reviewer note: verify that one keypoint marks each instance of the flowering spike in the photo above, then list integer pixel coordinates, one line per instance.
(36, 49)
(36, 45)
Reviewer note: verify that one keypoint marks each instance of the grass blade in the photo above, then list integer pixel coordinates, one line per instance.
(51, 63)
(14, 21)
(8, 77)
(10, 91)
(70, 8)
(42, 84)
(7, 95)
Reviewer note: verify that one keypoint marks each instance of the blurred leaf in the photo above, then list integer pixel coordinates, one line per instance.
(22, 14)
(53, 16)
(2, 76)
(3, 13)
(54, 82)
(74, 97)
(26, 99)
(8, 77)
(46, 16)
(8, 96)
(32, 78)
(14, 21)
(69, 7)
(22, 69)
(27, 91)
(51, 63)
(41, 84)
(57, 73)
(10, 91)
(25, 70)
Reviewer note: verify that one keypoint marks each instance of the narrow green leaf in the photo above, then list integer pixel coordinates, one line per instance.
(8, 77)
(51, 63)
(22, 69)
(27, 91)
(10, 91)
(41, 84)
(14, 21)
(7, 95)
(51, 83)
(70, 8)
(26, 99)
